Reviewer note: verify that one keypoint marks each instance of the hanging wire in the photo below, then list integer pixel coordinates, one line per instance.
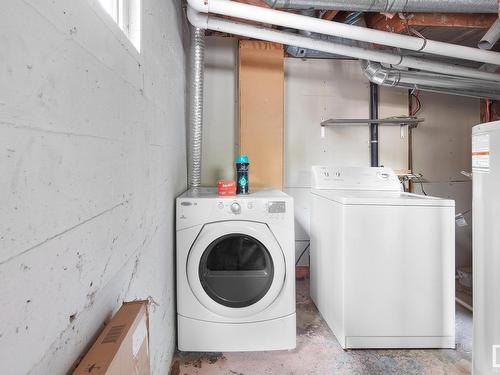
(415, 94)
(302, 253)
(420, 181)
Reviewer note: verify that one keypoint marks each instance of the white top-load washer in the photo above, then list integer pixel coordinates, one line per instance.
(235, 271)
(382, 261)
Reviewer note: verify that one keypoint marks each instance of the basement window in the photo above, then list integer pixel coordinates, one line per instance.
(127, 15)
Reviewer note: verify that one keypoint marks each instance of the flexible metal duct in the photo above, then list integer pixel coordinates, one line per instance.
(392, 6)
(210, 22)
(196, 113)
(380, 75)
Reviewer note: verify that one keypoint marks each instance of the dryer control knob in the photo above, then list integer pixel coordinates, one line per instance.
(235, 208)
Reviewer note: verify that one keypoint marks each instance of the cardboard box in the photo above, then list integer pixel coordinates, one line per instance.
(123, 346)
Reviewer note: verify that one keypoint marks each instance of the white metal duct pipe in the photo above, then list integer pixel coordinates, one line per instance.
(196, 111)
(489, 39)
(300, 22)
(202, 20)
(380, 75)
(393, 6)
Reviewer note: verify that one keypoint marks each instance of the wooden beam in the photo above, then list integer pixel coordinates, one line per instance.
(398, 25)
(330, 14)
(490, 110)
(261, 94)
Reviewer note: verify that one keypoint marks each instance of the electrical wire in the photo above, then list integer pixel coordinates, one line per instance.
(420, 181)
(463, 213)
(302, 253)
(416, 95)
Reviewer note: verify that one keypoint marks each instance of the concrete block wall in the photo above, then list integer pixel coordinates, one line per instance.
(446, 135)
(93, 154)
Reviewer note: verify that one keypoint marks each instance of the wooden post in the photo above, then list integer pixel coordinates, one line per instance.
(261, 90)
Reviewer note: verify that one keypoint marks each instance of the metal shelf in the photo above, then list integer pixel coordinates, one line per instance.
(401, 121)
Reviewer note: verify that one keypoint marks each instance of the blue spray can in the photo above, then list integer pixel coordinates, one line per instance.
(242, 165)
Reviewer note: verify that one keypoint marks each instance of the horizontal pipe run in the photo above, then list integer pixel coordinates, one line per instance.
(218, 24)
(393, 6)
(300, 22)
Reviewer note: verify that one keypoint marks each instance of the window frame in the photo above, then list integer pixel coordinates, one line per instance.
(127, 15)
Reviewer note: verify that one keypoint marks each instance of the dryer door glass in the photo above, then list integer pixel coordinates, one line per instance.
(236, 270)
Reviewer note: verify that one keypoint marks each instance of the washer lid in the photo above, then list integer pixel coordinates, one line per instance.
(236, 268)
(382, 198)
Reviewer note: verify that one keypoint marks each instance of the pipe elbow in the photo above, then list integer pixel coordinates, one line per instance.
(199, 5)
(373, 71)
(196, 18)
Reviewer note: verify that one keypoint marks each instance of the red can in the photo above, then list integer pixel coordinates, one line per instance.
(226, 188)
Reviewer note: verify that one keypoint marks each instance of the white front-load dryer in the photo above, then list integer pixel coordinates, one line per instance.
(235, 271)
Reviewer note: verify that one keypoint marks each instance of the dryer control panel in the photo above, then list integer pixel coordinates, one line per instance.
(276, 207)
(271, 209)
(204, 205)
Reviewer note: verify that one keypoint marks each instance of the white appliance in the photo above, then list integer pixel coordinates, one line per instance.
(382, 261)
(486, 248)
(235, 271)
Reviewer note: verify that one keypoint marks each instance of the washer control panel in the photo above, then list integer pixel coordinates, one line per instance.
(354, 178)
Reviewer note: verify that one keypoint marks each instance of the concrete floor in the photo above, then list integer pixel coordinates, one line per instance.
(318, 352)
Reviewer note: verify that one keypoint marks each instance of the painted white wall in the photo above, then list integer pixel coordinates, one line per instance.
(441, 150)
(92, 143)
(220, 112)
(317, 90)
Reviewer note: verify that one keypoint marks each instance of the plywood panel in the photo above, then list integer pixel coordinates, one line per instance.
(261, 78)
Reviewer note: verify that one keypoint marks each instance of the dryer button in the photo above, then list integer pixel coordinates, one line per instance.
(235, 208)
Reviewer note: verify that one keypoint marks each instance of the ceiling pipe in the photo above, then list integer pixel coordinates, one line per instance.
(491, 37)
(205, 21)
(300, 22)
(380, 75)
(354, 18)
(393, 6)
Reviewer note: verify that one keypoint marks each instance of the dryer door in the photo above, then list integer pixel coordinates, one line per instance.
(236, 268)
